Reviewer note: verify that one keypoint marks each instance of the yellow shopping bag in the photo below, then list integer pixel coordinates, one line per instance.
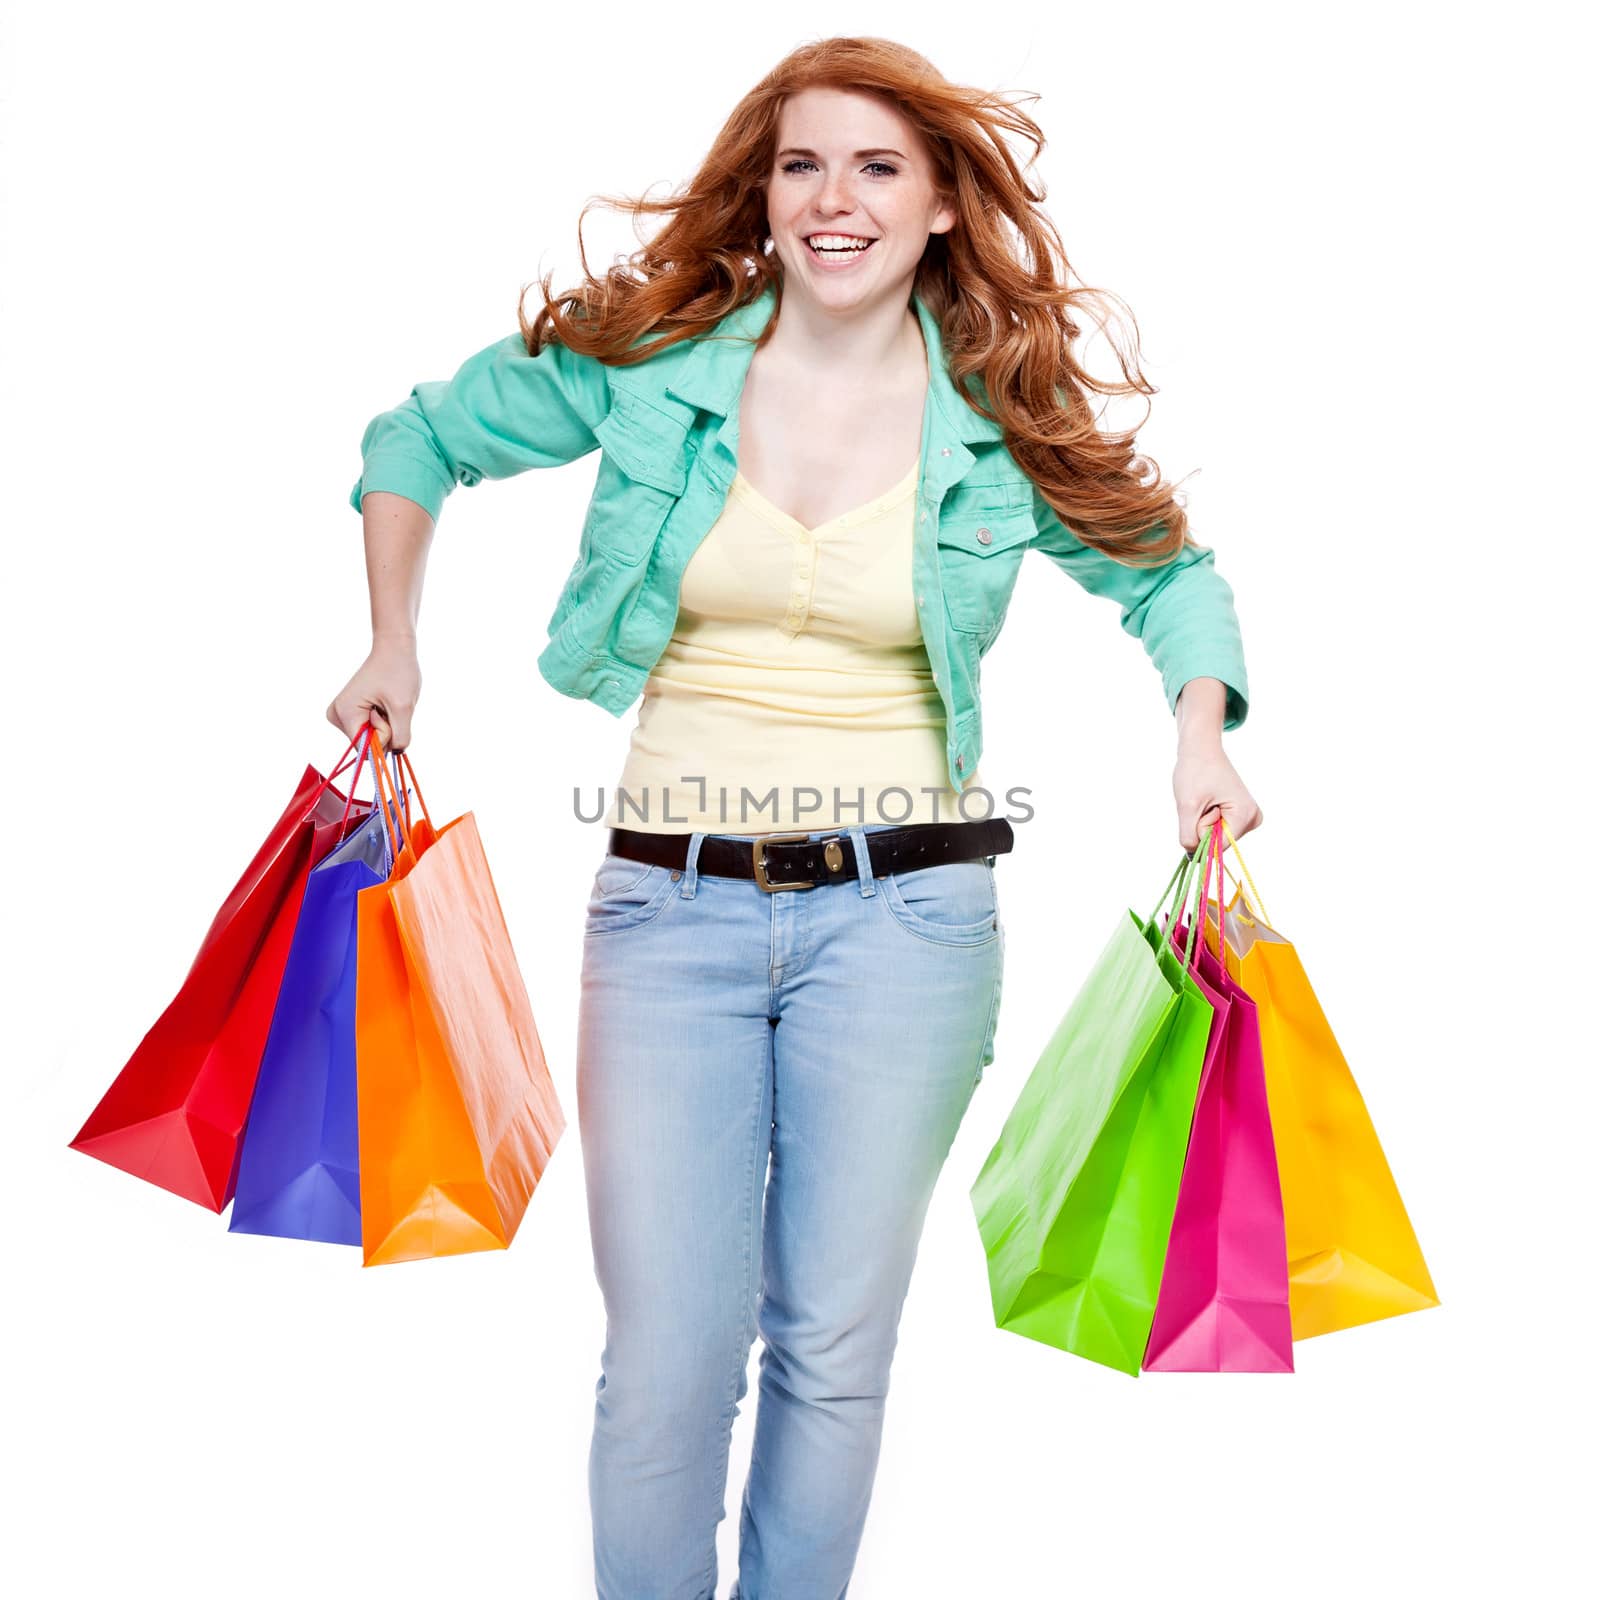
(1353, 1255)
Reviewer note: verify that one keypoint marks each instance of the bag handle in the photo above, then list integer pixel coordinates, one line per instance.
(1166, 894)
(1203, 910)
(1192, 951)
(1254, 904)
(1185, 867)
(1211, 845)
(350, 799)
(407, 783)
(401, 820)
(365, 740)
(311, 804)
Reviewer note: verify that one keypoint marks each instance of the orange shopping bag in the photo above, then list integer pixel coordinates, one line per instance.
(457, 1113)
(1353, 1255)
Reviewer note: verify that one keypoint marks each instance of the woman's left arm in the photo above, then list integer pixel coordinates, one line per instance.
(1183, 614)
(1204, 783)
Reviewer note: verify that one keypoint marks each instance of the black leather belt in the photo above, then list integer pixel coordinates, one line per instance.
(797, 861)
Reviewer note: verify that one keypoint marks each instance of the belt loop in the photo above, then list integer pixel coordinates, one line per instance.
(858, 838)
(691, 867)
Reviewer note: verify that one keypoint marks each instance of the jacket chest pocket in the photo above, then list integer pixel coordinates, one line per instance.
(980, 550)
(643, 474)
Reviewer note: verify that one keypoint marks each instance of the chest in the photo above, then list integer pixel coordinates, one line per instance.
(759, 581)
(818, 452)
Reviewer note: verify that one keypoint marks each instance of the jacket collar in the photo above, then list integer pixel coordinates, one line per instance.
(712, 374)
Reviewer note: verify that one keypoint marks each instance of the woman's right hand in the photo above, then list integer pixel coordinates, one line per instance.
(382, 692)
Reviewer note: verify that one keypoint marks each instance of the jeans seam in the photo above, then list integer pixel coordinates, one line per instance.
(994, 1009)
(747, 1314)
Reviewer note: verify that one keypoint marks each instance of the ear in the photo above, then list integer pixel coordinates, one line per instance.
(944, 219)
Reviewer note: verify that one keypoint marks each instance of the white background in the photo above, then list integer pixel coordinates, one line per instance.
(1351, 240)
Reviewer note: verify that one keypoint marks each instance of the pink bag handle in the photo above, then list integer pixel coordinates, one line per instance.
(1215, 856)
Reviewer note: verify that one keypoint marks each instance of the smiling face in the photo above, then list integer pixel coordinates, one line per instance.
(850, 199)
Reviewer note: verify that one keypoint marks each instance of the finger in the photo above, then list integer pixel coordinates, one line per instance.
(1204, 822)
(400, 728)
(1246, 825)
(349, 724)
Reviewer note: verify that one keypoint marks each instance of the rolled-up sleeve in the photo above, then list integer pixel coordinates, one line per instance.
(503, 412)
(1182, 612)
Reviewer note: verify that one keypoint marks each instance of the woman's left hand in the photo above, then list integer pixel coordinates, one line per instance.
(1204, 784)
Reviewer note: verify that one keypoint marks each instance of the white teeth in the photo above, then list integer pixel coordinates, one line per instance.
(838, 241)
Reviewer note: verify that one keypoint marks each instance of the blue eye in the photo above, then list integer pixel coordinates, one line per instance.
(803, 161)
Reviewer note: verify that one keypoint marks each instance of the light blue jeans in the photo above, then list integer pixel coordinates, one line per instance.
(840, 1032)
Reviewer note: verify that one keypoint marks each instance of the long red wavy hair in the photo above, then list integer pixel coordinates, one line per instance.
(998, 281)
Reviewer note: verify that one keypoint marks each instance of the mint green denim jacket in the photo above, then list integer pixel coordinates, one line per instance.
(668, 434)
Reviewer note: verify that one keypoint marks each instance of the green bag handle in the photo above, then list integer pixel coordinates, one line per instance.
(1182, 876)
(1183, 862)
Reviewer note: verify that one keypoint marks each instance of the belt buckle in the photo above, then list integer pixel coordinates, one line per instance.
(758, 860)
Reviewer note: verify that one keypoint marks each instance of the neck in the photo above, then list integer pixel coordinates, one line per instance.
(819, 344)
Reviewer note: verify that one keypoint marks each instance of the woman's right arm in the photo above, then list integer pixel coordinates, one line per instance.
(502, 413)
(384, 688)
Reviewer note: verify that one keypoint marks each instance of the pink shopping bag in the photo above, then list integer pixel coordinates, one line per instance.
(1224, 1300)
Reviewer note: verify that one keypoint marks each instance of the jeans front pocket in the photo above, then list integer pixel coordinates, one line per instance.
(953, 903)
(627, 894)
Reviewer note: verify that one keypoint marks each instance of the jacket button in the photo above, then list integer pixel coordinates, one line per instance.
(961, 763)
(984, 536)
(945, 451)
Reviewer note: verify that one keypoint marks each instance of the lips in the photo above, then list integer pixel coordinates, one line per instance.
(838, 258)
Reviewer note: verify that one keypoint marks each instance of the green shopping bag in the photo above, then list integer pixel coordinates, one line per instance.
(1075, 1201)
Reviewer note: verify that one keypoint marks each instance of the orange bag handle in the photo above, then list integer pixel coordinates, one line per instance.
(400, 827)
(404, 759)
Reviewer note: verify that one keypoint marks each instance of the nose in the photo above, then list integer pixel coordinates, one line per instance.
(836, 195)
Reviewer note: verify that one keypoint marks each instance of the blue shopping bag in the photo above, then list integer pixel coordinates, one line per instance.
(299, 1161)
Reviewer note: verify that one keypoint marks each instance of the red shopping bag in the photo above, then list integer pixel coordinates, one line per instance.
(174, 1114)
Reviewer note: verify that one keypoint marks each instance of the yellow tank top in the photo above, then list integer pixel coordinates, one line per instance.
(796, 669)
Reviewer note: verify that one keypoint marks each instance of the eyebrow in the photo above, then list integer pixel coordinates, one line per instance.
(860, 155)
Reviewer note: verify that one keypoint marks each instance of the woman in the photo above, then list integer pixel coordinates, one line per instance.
(804, 535)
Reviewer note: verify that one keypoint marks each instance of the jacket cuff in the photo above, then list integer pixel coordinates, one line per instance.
(403, 476)
(1236, 704)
